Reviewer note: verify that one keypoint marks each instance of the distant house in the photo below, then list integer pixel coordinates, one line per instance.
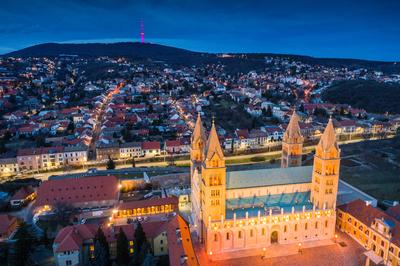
(176, 146)
(130, 150)
(8, 224)
(23, 196)
(151, 148)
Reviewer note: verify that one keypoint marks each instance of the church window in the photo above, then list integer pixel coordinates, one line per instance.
(285, 229)
(326, 223)
(227, 236)
(316, 225)
(215, 237)
(240, 234)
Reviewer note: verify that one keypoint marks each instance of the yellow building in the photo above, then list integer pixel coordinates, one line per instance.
(254, 209)
(374, 229)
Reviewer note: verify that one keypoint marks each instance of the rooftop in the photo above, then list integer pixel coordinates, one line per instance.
(268, 177)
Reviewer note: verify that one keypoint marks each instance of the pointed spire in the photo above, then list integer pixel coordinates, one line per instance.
(328, 138)
(198, 132)
(293, 132)
(213, 145)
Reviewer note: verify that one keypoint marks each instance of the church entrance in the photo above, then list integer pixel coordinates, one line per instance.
(274, 237)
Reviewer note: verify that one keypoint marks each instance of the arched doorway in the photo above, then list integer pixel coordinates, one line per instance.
(274, 237)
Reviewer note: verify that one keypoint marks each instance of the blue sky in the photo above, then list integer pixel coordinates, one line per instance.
(368, 29)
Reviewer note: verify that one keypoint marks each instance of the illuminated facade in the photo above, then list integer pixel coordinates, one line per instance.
(292, 144)
(253, 209)
(372, 228)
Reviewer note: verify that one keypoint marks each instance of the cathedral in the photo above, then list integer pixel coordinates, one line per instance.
(254, 209)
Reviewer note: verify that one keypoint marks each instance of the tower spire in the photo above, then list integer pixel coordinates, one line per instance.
(328, 138)
(293, 132)
(213, 146)
(198, 132)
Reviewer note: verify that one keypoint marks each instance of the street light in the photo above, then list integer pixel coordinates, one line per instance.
(264, 251)
(336, 236)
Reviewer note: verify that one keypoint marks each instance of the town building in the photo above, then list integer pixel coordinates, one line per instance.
(254, 209)
(377, 231)
(87, 193)
(23, 196)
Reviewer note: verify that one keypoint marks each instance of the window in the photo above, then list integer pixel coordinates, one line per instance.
(326, 223)
(285, 229)
(295, 227)
(68, 262)
(251, 232)
(227, 236)
(263, 231)
(316, 225)
(306, 226)
(215, 237)
(161, 241)
(240, 234)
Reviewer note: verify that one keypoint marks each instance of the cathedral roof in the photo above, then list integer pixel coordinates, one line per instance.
(328, 138)
(198, 132)
(268, 177)
(293, 132)
(213, 146)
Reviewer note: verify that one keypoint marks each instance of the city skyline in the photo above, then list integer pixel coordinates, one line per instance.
(365, 30)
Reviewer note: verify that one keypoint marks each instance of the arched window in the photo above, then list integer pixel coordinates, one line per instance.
(306, 226)
(227, 236)
(295, 227)
(251, 232)
(240, 234)
(215, 237)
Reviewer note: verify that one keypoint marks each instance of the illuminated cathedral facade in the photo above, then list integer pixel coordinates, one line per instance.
(254, 209)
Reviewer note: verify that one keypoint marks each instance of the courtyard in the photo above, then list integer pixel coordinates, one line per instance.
(345, 252)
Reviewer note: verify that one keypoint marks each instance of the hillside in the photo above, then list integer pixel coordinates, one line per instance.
(128, 49)
(156, 52)
(370, 95)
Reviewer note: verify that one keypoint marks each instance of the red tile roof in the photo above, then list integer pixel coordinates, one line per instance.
(151, 145)
(77, 190)
(367, 214)
(394, 212)
(71, 237)
(180, 246)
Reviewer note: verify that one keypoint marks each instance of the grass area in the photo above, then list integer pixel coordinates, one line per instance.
(373, 167)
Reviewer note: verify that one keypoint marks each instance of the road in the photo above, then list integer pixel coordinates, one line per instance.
(100, 119)
(231, 160)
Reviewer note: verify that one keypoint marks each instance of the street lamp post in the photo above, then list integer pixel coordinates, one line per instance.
(264, 252)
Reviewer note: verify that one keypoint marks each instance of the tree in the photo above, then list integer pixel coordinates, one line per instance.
(110, 164)
(122, 249)
(23, 245)
(63, 212)
(101, 249)
(101, 257)
(140, 247)
(45, 238)
(268, 113)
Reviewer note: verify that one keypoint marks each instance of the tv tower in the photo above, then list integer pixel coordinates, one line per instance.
(142, 31)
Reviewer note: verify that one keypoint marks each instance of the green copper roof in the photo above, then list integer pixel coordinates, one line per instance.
(268, 177)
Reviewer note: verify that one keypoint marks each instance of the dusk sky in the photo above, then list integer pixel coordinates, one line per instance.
(365, 29)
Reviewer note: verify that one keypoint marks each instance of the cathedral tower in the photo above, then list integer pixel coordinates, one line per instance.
(325, 177)
(198, 142)
(213, 179)
(292, 143)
